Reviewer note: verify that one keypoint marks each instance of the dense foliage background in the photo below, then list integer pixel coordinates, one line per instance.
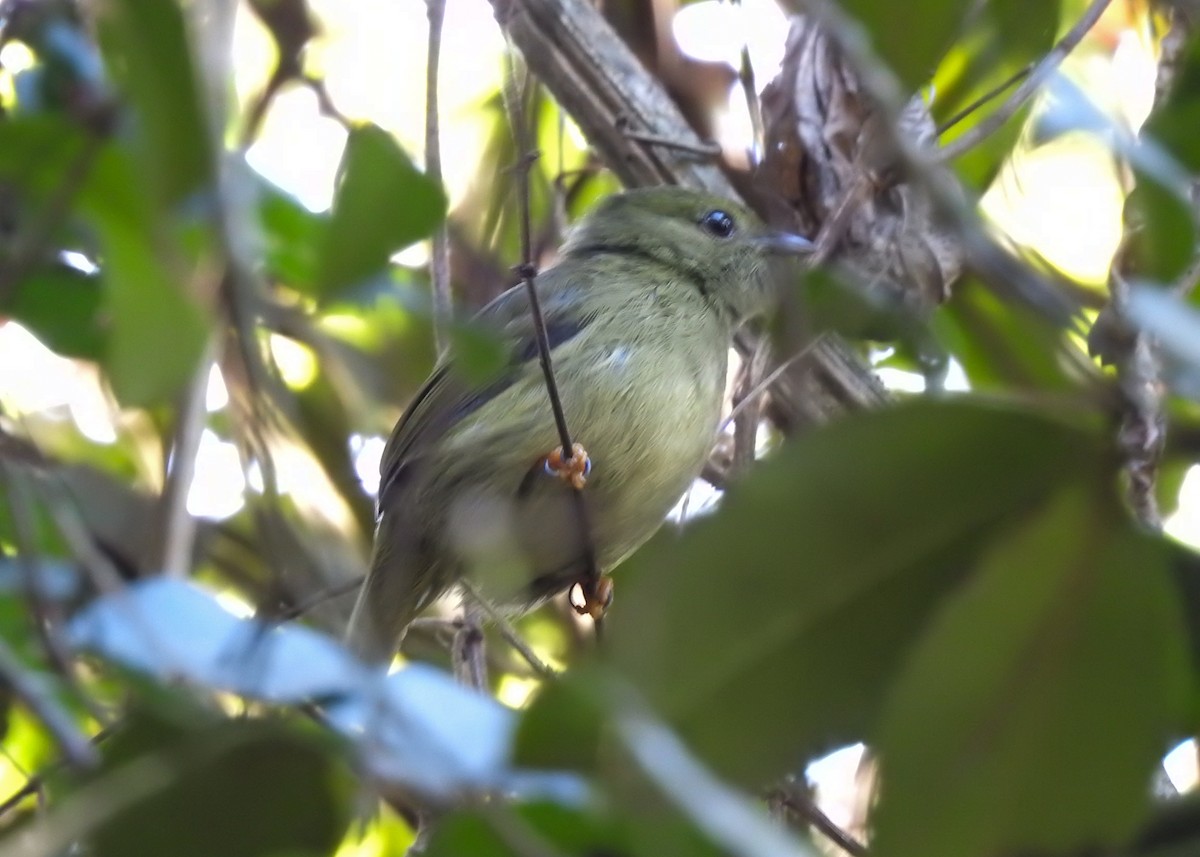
(217, 294)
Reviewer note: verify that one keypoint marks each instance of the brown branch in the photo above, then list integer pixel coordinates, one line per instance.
(994, 92)
(613, 99)
(792, 798)
(176, 525)
(1040, 74)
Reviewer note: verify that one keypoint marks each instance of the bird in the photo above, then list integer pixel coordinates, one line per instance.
(639, 308)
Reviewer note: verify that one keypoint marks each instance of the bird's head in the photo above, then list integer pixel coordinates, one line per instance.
(715, 244)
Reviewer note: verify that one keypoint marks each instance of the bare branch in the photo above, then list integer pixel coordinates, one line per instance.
(1040, 74)
(178, 528)
(77, 749)
(439, 263)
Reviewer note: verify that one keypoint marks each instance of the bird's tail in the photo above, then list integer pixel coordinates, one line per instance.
(393, 593)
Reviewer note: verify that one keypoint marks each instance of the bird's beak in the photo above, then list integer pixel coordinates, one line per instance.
(784, 243)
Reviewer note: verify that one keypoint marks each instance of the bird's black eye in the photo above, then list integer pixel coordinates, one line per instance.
(718, 223)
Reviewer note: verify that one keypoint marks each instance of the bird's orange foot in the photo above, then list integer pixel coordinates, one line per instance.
(594, 603)
(573, 470)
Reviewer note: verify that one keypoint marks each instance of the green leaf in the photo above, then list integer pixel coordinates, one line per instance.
(293, 236)
(518, 831)
(1174, 123)
(382, 204)
(238, 789)
(1033, 712)
(770, 629)
(1001, 39)
(567, 831)
(146, 44)
(909, 37)
(62, 307)
(1001, 346)
(561, 729)
(1164, 240)
(156, 333)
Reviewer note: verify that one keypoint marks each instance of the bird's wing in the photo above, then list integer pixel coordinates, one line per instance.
(446, 398)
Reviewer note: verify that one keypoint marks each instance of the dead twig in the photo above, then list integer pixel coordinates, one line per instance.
(439, 262)
(1036, 79)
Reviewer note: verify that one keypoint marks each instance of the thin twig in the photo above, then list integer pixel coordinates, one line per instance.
(745, 423)
(77, 749)
(750, 93)
(37, 782)
(509, 633)
(319, 598)
(704, 148)
(992, 93)
(528, 271)
(795, 800)
(439, 263)
(177, 526)
(765, 384)
(1045, 68)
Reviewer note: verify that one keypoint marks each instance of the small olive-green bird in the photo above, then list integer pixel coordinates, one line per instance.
(640, 310)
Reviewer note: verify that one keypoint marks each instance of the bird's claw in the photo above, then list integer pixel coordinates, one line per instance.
(573, 470)
(592, 599)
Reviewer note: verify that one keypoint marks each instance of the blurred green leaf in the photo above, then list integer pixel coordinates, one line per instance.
(293, 236)
(1002, 38)
(1174, 123)
(504, 832)
(156, 333)
(910, 37)
(1164, 239)
(1031, 715)
(546, 828)
(771, 628)
(999, 346)
(382, 204)
(146, 45)
(237, 789)
(561, 728)
(61, 305)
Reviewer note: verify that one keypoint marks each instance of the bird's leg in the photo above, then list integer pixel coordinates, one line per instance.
(573, 469)
(592, 598)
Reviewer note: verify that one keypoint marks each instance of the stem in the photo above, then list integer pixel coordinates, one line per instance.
(439, 263)
(1040, 74)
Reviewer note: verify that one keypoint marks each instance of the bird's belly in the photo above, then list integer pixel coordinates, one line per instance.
(515, 530)
(646, 446)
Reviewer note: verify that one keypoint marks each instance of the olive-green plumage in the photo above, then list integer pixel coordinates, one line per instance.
(640, 310)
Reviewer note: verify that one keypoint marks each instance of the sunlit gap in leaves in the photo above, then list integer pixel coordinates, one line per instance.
(367, 451)
(1064, 198)
(372, 57)
(1184, 523)
(1183, 767)
(218, 487)
(35, 380)
(716, 31)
